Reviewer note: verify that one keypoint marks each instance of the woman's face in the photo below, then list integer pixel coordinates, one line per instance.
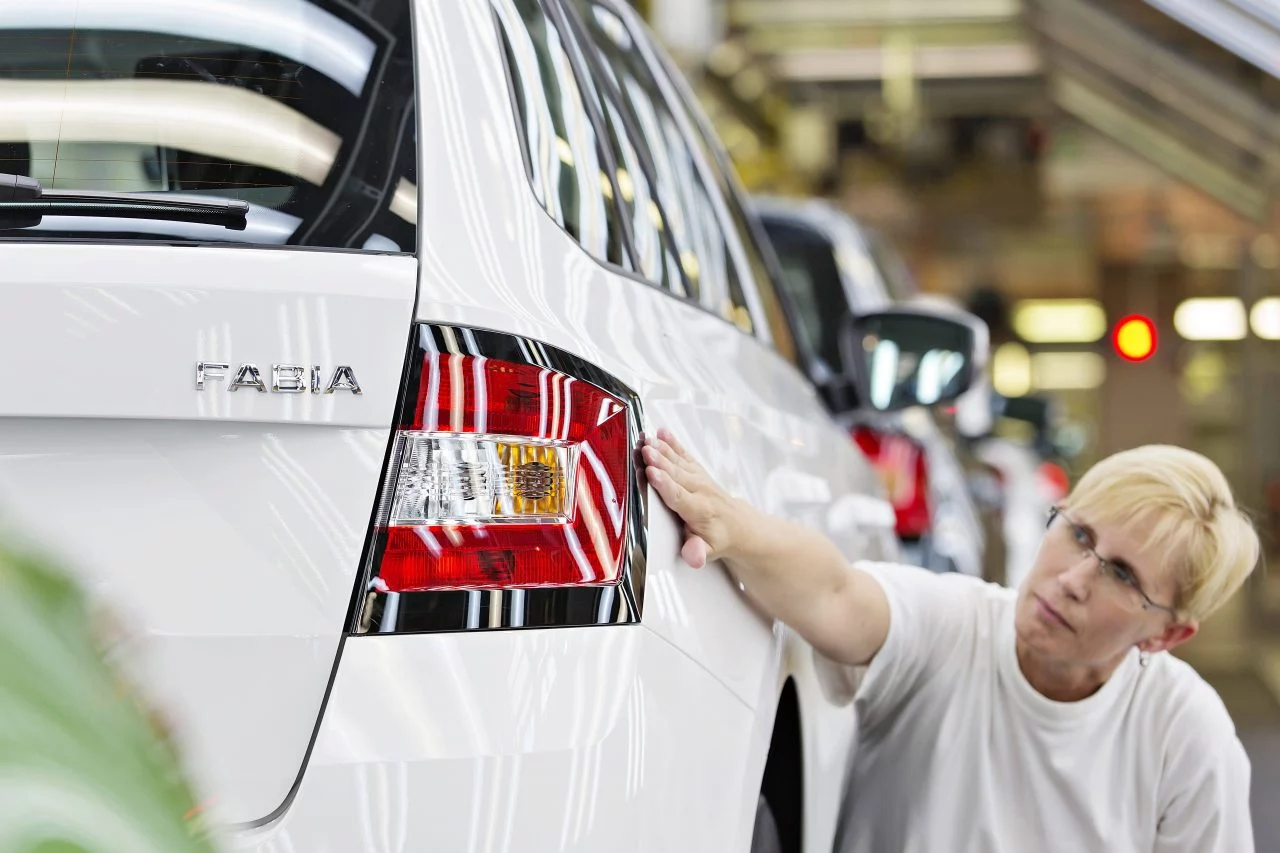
(1073, 611)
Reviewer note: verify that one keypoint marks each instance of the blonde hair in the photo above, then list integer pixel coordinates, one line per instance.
(1192, 514)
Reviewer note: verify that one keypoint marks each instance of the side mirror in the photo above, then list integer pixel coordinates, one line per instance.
(912, 356)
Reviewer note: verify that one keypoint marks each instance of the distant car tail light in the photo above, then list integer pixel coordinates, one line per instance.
(900, 461)
(1054, 480)
(512, 470)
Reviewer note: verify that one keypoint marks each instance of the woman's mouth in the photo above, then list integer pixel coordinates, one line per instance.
(1048, 614)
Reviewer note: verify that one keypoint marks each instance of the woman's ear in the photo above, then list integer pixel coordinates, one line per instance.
(1173, 635)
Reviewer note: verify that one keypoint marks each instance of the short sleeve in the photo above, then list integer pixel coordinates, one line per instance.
(1205, 792)
(931, 616)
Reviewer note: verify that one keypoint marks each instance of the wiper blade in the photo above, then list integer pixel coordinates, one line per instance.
(23, 202)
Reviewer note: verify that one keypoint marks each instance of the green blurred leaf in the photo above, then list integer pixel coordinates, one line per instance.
(83, 768)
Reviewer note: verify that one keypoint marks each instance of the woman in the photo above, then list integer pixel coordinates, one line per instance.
(1002, 721)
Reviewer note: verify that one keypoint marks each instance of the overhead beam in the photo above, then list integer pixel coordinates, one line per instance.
(1125, 124)
(1248, 28)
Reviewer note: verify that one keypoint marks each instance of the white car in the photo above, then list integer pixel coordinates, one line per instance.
(339, 420)
(836, 269)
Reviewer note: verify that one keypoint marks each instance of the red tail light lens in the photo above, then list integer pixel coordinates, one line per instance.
(900, 461)
(512, 473)
(515, 476)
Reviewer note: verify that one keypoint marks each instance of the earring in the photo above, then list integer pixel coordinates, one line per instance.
(1144, 658)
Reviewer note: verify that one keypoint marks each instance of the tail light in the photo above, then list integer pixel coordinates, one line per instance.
(1054, 481)
(900, 461)
(512, 495)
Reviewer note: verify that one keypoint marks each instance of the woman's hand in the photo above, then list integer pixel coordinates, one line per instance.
(795, 573)
(712, 519)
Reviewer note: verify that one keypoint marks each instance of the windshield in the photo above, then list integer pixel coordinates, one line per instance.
(301, 108)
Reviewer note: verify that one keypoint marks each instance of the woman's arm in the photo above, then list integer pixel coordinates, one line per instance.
(796, 574)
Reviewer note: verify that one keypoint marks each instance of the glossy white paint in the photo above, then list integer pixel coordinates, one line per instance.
(115, 331)
(222, 529)
(492, 257)
(827, 730)
(576, 739)
(228, 527)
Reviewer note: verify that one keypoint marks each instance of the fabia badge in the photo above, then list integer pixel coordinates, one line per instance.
(285, 378)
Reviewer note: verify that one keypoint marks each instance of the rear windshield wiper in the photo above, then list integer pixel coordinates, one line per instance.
(23, 202)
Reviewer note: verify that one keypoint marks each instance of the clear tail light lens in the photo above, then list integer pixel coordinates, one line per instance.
(512, 469)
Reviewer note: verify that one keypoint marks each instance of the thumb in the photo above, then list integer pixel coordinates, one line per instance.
(695, 551)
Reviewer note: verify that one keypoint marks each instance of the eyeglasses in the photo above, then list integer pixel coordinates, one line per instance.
(1124, 584)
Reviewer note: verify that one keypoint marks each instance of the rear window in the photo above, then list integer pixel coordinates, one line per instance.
(301, 108)
(812, 280)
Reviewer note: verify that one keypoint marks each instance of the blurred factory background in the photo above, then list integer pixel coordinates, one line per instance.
(1095, 178)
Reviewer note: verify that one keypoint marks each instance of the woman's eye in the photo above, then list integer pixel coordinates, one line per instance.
(1081, 536)
(1124, 574)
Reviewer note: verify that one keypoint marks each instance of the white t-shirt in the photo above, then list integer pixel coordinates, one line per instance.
(958, 753)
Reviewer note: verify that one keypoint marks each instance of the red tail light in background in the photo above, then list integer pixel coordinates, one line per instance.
(900, 462)
(512, 476)
(1054, 480)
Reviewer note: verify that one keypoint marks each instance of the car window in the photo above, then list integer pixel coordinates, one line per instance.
(563, 154)
(683, 196)
(812, 281)
(305, 110)
(893, 270)
(650, 238)
(748, 235)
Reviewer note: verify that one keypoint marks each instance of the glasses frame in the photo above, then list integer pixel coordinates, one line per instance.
(1105, 566)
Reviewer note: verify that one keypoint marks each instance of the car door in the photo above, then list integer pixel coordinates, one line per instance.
(795, 463)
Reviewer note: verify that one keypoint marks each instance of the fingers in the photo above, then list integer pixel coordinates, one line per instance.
(672, 493)
(670, 438)
(658, 454)
(683, 486)
(654, 457)
(695, 551)
(667, 437)
(679, 459)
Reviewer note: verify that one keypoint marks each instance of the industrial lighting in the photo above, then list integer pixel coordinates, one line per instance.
(1011, 370)
(298, 29)
(219, 121)
(1211, 319)
(763, 13)
(1203, 376)
(1134, 338)
(928, 63)
(1067, 371)
(1060, 321)
(1265, 318)
(404, 203)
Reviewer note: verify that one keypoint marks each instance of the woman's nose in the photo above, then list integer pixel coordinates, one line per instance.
(1077, 580)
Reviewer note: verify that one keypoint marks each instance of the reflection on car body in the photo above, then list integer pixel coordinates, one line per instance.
(442, 612)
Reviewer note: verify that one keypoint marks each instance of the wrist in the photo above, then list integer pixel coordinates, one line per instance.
(743, 527)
